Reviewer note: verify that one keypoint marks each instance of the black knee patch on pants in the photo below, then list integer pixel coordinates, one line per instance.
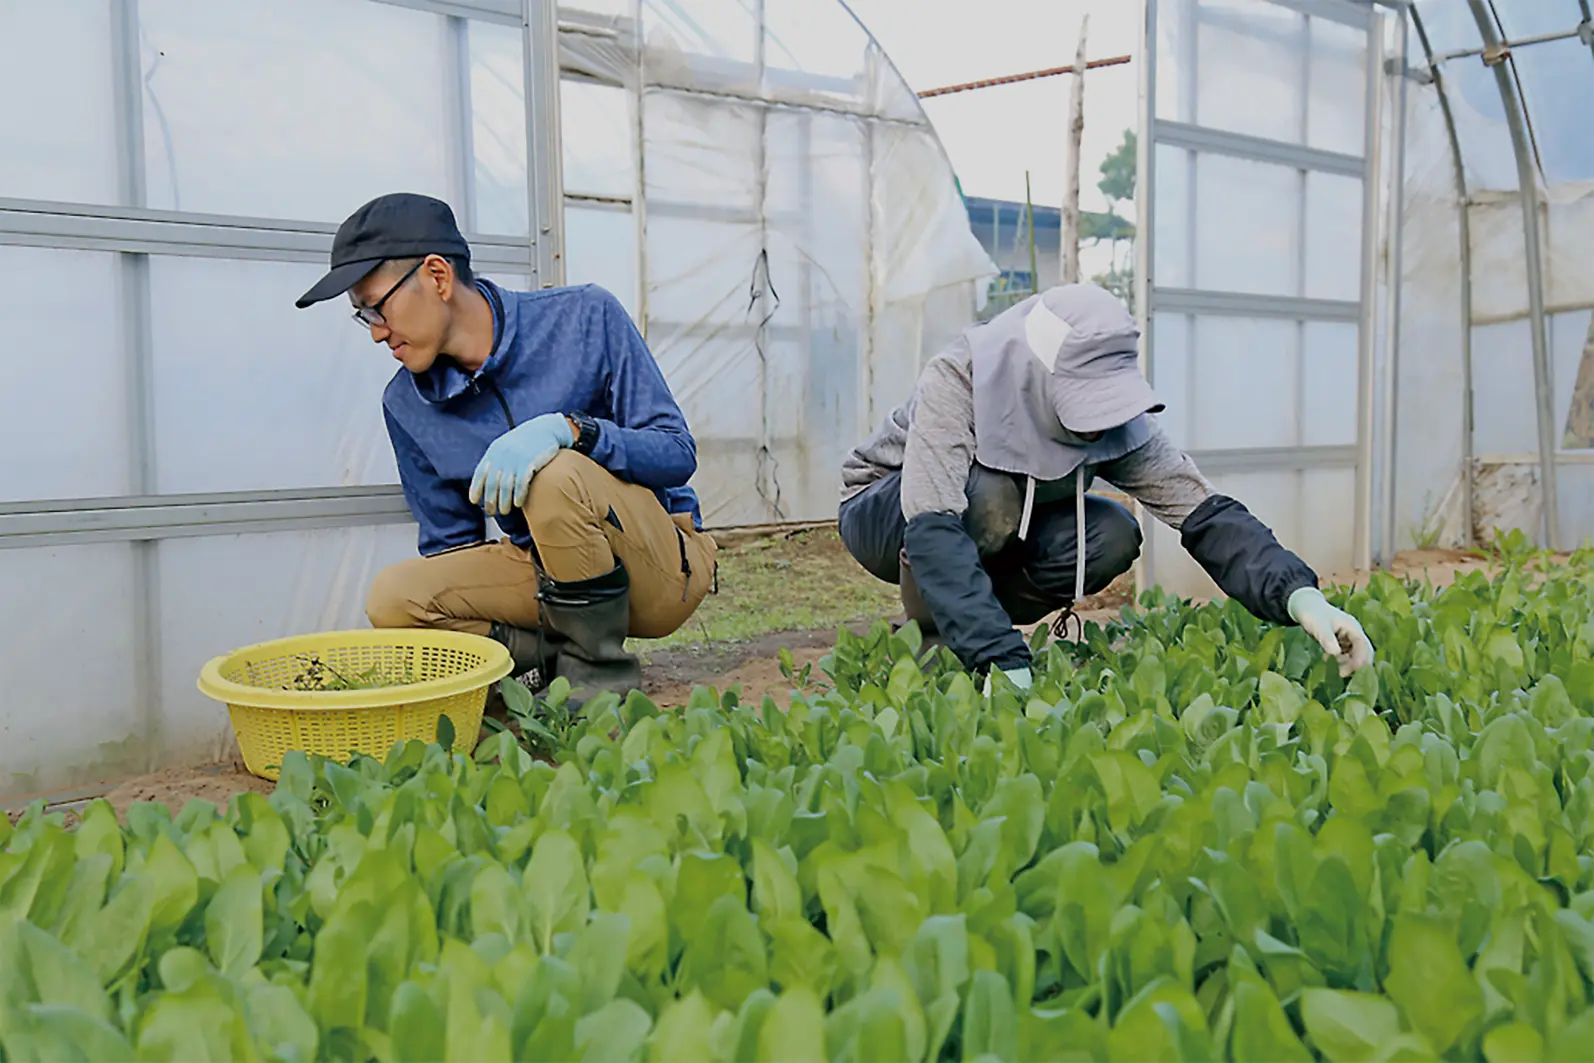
(1043, 581)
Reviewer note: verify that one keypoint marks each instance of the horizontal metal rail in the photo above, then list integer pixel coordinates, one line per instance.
(1256, 149)
(82, 226)
(506, 12)
(1244, 304)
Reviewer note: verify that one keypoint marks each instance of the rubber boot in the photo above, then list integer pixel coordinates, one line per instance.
(594, 617)
(534, 655)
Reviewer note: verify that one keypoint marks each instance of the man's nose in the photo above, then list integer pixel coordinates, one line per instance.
(380, 333)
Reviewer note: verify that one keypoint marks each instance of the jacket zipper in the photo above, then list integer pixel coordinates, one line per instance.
(475, 386)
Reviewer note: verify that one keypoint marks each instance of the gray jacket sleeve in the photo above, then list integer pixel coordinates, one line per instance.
(945, 560)
(1236, 549)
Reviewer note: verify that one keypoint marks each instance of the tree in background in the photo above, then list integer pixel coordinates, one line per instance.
(1119, 172)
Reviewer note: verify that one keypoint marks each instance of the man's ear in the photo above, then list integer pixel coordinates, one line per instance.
(441, 274)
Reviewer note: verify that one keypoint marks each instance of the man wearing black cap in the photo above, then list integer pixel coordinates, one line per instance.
(546, 411)
(972, 495)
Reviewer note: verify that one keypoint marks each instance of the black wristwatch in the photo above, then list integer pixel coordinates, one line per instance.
(586, 433)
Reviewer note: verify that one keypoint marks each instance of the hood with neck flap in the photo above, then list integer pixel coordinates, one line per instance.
(1065, 347)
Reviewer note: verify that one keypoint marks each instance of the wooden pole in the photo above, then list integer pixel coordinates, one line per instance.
(1076, 136)
(1034, 267)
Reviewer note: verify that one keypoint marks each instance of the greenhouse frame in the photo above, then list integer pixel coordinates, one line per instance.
(1359, 280)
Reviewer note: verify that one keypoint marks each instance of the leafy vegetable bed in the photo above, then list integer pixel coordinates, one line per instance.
(1195, 842)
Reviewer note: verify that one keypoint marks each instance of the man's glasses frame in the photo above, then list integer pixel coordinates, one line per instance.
(371, 316)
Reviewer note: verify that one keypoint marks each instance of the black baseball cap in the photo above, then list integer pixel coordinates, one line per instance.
(397, 225)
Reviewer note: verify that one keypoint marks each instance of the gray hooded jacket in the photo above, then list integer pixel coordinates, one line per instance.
(1000, 395)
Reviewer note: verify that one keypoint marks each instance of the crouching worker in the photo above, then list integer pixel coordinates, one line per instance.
(546, 411)
(972, 496)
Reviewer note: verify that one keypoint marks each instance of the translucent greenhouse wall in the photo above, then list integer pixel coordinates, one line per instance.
(188, 464)
(804, 247)
(1258, 177)
(1467, 322)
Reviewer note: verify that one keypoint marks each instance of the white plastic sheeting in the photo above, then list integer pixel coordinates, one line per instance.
(1556, 82)
(803, 247)
(756, 185)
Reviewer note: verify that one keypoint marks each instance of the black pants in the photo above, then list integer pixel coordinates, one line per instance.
(1032, 578)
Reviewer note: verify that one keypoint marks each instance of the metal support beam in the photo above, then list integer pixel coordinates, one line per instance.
(1396, 245)
(1345, 12)
(504, 12)
(1366, 342)
(544, 158)
(149, 518)
(137, 230)
(1256, 149)
(1242, 304)
(1528, 189)
(1464, 216)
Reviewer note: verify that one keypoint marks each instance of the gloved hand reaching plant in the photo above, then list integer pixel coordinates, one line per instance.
(503, 476)
(1339, 633)
(1019, 677)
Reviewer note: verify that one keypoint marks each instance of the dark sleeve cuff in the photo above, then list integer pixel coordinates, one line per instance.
(1244, 559)
(946, 566)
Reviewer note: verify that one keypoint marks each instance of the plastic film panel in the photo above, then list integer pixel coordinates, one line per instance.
(1249, 60)
(61, 143)
(251, 394)
(64, 425)
(69, 707)
(1245, 383)
(817, 54)
(1328, 383)
(498, 128)
(1333, 237)
(268, 110)
(1247, 230)
(600, 248)
(222, 593)
(710, 44)
(596, 135)
(1336, 109)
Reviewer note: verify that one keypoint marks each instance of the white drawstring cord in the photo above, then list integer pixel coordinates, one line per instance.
(1079, 534)
(1029, 508)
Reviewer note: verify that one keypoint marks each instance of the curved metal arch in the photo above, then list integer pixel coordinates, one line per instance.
(1528, 190)
(1465, 225)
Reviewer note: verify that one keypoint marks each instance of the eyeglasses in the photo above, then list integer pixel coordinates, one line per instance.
(369, 316)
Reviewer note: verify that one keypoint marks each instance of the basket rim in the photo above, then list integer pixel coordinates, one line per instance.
(497, 665)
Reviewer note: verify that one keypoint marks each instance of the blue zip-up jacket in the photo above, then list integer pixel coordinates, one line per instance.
(559, 350)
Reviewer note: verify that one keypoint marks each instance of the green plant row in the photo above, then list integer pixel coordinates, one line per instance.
(1192, 840)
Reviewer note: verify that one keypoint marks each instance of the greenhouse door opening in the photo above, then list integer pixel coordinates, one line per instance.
(1256, 214)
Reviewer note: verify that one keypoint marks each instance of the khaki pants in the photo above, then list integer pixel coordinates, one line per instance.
(582, 519)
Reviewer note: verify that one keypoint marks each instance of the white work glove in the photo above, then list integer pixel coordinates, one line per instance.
(1019, 677)
(1339, 633)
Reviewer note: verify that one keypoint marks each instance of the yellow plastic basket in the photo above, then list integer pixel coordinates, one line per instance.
(451, 673)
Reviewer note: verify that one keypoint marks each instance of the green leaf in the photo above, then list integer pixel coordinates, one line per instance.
(445, 731)
(615, 1033)
(53, 1033)
(599, 956)
(173, 886)
(683, 1031)
(416, 1025)
(1131, 789)
(235, 922)
(280, 1024)
(1513, 1042)
(1430, 981)
(776, 892)
(557, 897)
(1280, 700)
(1262, 1032)
(726, 960)
(990, 1026)
(1063, 1035)
(794, 1029)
